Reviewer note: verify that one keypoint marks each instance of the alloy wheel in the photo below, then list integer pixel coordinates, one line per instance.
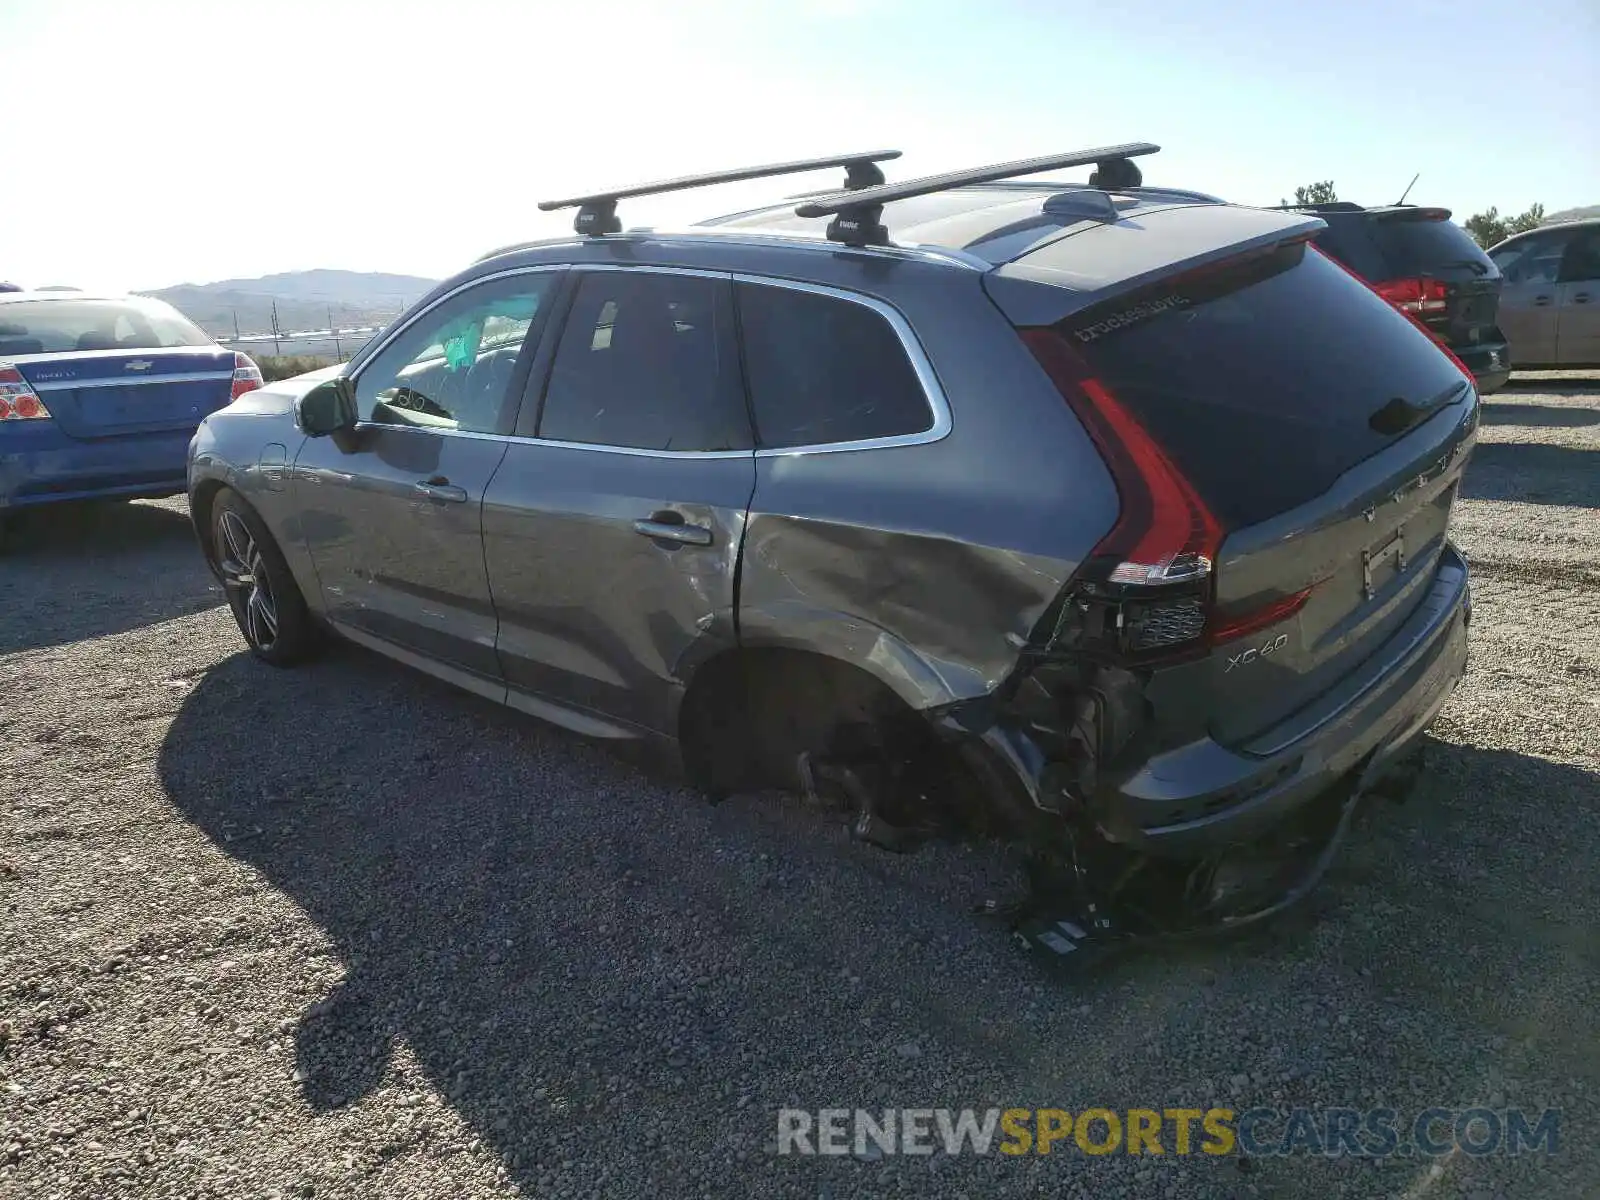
(244, 575)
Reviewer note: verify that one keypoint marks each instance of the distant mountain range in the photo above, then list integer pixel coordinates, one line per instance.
(305, 300)
(1573, 214)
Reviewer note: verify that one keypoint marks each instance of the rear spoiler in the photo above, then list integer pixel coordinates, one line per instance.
(1098, 262)
(1412, 214)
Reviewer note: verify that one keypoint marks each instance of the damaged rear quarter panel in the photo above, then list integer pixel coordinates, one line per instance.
(929, 565)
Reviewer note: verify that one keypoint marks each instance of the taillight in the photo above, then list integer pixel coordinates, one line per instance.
(246, 375)
(1147, 589)
(1164, 534)
(18, 400)
(1421, 296)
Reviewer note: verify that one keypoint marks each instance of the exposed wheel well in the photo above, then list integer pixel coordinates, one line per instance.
(751, 713)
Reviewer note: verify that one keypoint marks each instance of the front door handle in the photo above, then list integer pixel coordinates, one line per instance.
(674, 531)
(1581, 298)
(1541, 301)
(437, 487)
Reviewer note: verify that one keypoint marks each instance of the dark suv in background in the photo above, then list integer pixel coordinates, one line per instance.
(1111, 519)
(1429, 267)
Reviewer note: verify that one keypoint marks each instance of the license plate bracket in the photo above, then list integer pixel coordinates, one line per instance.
(1373, 561)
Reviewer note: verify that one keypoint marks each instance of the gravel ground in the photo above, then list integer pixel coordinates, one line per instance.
(343, 932)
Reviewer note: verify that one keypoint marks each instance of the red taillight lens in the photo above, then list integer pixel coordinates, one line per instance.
(1419, 296)
(246, 375)
(1165, 533)
(18, 400)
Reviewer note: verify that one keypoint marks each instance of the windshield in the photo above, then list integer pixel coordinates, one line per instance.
(56, 326)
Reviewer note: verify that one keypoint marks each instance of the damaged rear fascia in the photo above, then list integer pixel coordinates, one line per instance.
(1042, 739)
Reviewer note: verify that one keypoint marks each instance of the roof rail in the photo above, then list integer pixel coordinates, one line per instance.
(597, 212)
(857, 215)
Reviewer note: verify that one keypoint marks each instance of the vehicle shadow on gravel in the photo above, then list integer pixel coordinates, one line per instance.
(1539, 415)
(87, 570)
(1533, 473)
(561, 942)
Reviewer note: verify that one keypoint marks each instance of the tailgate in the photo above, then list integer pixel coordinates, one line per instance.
(1363, 555)
(112, 393)
(1325, 436)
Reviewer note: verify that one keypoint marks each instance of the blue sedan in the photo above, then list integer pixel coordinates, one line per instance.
(99, 396)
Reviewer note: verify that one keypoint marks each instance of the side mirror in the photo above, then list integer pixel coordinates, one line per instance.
(328, 408)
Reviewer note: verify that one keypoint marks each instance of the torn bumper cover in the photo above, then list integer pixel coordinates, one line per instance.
(1201, 837)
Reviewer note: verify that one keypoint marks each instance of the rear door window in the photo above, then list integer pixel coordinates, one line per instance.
(1262, 379)
(1581, 262)
(823, 369)
(647, 361)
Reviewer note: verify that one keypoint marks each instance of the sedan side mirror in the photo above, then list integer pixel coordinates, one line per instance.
(328, 408)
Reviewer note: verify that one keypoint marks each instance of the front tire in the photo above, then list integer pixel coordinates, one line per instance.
(266, 601)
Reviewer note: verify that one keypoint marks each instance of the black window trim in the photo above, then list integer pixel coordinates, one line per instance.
(921, 366)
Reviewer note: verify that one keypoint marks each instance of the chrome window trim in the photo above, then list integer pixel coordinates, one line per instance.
(512, 439)
(755, 238)
(651, 269)
(59, 385)
(932, 392)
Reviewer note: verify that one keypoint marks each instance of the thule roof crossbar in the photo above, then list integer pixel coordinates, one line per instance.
(857, 215)
(597, 212)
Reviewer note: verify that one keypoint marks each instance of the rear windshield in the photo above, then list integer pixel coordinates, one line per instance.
(1262, 379)
(1415, 247)
(55, 326)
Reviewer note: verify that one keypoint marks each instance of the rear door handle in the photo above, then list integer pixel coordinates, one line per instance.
(674, 531)
(437, 487)
(1541, 301)
(1581, 298)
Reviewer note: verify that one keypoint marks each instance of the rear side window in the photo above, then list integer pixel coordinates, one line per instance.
(645, 362)
(58, 326)
(1349, 241)
(1261, 379)
(823, 369)
(1413, 246)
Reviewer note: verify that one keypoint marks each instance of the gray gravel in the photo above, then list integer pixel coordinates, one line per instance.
(343, 932)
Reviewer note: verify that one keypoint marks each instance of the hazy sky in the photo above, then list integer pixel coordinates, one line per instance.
(154, 143)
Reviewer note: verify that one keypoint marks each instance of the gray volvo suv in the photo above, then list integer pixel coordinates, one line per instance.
(1107, 518)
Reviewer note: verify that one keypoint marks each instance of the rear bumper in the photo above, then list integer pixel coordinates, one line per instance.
(1489, 362)
(1203, 797)
(41, 465)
